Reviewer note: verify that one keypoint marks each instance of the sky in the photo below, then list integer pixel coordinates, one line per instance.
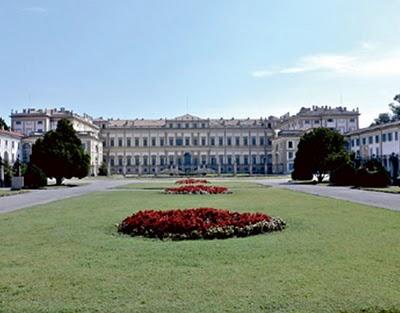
(210, 58)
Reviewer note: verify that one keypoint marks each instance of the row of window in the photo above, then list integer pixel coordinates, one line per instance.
(170, 160)
(179, 141)
(386, 137)
(6, 142)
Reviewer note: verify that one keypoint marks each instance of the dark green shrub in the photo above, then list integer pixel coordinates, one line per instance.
(367, 178)
(345, 175)
(103, 171)
(34, 177)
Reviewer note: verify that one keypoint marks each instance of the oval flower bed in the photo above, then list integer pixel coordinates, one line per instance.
(206, 223)
(191, 181)
(197, 189)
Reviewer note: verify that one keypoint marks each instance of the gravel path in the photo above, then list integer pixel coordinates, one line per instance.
(377, 199)
(35, 197)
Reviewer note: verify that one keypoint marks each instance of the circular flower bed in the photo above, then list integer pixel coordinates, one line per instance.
(191, 181)
(197, 189)
(206, 223)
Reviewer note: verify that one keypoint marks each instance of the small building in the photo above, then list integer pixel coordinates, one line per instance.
(33, 123)
(10, 146)
(376, 142)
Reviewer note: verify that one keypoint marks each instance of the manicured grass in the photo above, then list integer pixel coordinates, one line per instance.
(6, 193)
(66, 256)
(390, 189)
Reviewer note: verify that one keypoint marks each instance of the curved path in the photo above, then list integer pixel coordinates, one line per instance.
(378, 199)
(35, 197)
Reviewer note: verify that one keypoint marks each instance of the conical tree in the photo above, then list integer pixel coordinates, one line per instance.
(60, 154)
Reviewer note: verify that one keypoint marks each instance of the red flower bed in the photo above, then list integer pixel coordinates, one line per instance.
(197, 189)
(191, 181)
(206, 223)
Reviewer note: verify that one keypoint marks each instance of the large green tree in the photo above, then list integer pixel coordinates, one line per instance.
(3, 124)
(319, 152)
(60, 154)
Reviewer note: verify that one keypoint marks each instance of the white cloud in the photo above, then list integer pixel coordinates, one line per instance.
(34, 10)
(356, 64)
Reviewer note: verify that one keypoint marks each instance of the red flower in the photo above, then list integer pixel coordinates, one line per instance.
(207, 223)
(197, 189)
(190, 181)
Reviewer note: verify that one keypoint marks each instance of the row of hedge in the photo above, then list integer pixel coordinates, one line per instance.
(372, 175)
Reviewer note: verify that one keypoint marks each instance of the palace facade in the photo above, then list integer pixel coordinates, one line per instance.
(187, 144)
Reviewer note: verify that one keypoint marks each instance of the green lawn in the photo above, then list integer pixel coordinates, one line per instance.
(334, 256)
(6, 193)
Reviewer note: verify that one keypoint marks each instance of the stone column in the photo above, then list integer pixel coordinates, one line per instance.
(219, 169)
(234, 169)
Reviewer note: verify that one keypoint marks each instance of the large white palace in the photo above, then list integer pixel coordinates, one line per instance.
(186, 144)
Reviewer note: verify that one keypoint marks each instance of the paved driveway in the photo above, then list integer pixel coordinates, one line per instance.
(35, 197)
(378, 199)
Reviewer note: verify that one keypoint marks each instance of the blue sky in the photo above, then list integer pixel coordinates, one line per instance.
(229, 58)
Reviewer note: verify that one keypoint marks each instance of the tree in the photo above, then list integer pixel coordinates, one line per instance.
(34, 177)
(60, 154)
(383, 118)
(3, 124)
(320, 151)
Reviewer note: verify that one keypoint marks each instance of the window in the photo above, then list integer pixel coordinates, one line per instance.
(203, 159)
(179, 141)
(245, 141)
(290, 144)
(195, 142)
(145, 160)
(352, 120)
(212, 141)
(330, 120)
(307, 122)
(364, 141)
(187, 141)
(128, 161)
(390, 136)
(316, 121)
(153, 141)
(112, 142)
(383, 137)
(162, 160)
(179, 125)
(290, 155)
(187, 125)
(357, 141)
(153, 160)
(128, 142)
(144, 142)
(253, 140)
(136, 142)
(221, 141)
(171, 141)
(203, 125)
(396, 136)
(120, 161)
(229, 160)
(171, 125)
(203, 141)
(112, 161)
(262, 141)
(377, 139)
(254, 159)
(246, 160)
(161, 142)
(194, 125)
(18, 123)
(237, 159)
(221, 159)
(229, 142)
(237, 141)
(137, 160)
(119, 142)
(370, 140)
